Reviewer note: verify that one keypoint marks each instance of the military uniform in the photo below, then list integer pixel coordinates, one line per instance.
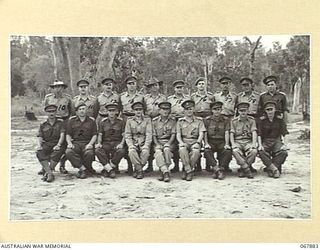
(126, 102)
(176, 108)
(190, 130)
(81, 134)
(252, 99)
(64, 104)
(138, 136)
(102, 100)
(162, 131)
(202, 104)
(152, 109)
(90, 102)
(112, 135)
(229, 102)
(278, 97)
(243, 150)
(216, 128)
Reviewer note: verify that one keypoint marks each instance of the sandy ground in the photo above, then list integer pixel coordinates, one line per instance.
(125, 197)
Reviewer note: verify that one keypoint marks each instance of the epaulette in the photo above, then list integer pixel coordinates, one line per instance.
(75, 97)
(235, 119)
(209, 93)
(66, 95)
(72, 117)
(60, 120)
(193, 94)
(170, 96)
(156, 118)
(48, 95)
(92, 96)
(91, 118)
(250, 117)
(199, 118)
(263, 93)
(104, 119)
(262, 118)
(181, 119)
(255, 92)
(119, 118)
(240, 93)
(282, 93)
(124, 93)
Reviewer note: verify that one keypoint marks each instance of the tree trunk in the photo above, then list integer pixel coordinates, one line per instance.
(65, 73)
(54, 56)
(73, 55)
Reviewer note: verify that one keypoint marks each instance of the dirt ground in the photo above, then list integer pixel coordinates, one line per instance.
(125, 197)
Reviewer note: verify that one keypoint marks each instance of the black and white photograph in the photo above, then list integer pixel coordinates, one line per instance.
(109, 128)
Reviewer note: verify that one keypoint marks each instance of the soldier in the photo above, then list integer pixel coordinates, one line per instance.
(107, 96)
(81, 136)
(243, 137)
(152, 109)
(272, 94)
(202, 99)
(84, 96)
(226, 97)
(164, 135)
(249, 95)
(50, 142)
(65, 107)
(138, 136)
(110, 144)
(217, 139)
(190, 132)
(271, 133)
(177, 111)
(126, 100)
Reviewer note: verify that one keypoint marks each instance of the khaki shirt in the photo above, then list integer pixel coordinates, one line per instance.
(111, 131)
(103, 99)
(243, 129)
(81, 131)
(64, 104)
(252, 99)
(51, 133)
(190, 129)
(216, 127)
(163, 130)
(152, 102)
(138, 132)
(202, 102)
(127, 100)
(229, 102)
(90, 102)
(176, 108)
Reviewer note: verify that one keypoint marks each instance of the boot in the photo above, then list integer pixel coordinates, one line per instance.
(82, 174)
(50, 177)
(140, 175)
(41, 172)
(161, 177)
(62, 169)
(198, 167)
(252, 169)
(220, 175)
(104, 173)
(112, 174)
(189, 176)
(166, 177)
(183, 175)
(248, 173)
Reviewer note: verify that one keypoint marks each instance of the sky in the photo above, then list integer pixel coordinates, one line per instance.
(266, 40)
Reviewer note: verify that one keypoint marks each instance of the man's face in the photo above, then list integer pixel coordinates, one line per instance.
(57, 89)
(178, 89)
(132, 86)
(82, 111)
(112, 113)
(271, 86)
(51, 113)
(107, 86)
(201, 86)
(243, 112)
(216, 111)
(83, 89)
(138, 112)
(225, 86)
(164, 112)
(155, 88)
(270, 111)
(189, 111)
(246, 87)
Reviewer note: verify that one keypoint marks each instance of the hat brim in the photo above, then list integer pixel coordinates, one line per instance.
(59, 85)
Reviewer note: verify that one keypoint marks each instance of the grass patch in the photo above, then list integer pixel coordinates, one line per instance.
(19, 104)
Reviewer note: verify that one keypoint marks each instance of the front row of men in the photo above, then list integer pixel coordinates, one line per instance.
(243, 137)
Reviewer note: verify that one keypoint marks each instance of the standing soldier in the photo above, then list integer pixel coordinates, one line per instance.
(138, 136)
(164, 135)
(250, 96)
(50, 142)
(226, 97)
(64, 103)
(84, 96)
(190, 132)
(152, 99)
(177, 111)
(110, 144)
(243, 137)
(272, 94)
(271, 133)
(217, 140)
(126, 100)
(107, 96)
(81, 136)
(202, 99)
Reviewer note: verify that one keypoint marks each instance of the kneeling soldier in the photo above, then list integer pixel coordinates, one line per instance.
(217, 140)
(271, 132)
(81, 136)
(243, 137)
(164, 135)
(190, 132)
(138, 136)
(110, 147)
(50, 139)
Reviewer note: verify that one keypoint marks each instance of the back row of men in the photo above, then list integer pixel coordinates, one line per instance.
(180, 126)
